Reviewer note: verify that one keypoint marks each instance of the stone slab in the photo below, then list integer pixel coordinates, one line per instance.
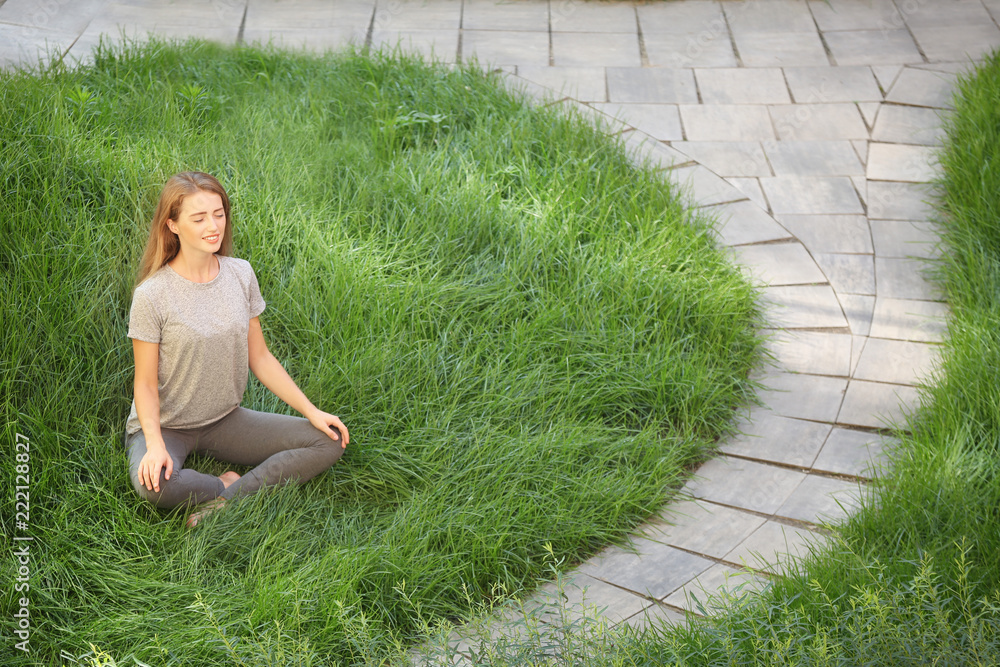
(919, 87)
(646, 149)
(810, 195)
(703, 187)
(830, 233)
(743, 484)
(901, 162)
(803, 307)
(873, 47)
(905, 278)
(28, 47)
(818, 122)
(877, 405)
(820, 500)
(701, 527)
(955, 13)
(726, 122)
(774, 547)
(655, 616)
(802, 396)
(502, 47)
(813, 158)
(905, 238)
(719, 586)
(780, 49)
(855, 14)
(779, 264)
(896, 200)
(660, 121)
(850, 452)
(908, 125)
(848, 274)
(751, 188)
(769, 16)
(744, 222)
(423, 15)
(767, 436)
(311, 15)
(811, 85)
(54, 15)
(654, 569)
(577, 49)
(728, 158)
(814, 352)
(742, 86)
(507, 16)
(858, 309)
(904, 319)
(957, 42)
(589, 596)
(898, 361)
(651, 86)
(585, 84)
(886, 75)
(693, 18)
(588, 17)
(432, 45)
(708, 48)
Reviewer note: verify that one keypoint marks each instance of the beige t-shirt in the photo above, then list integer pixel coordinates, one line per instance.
(202, 332)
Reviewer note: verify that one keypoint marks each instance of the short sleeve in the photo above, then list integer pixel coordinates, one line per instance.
(257, 303)
(143, 322)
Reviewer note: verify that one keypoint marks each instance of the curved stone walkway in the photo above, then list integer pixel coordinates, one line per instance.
(807, 127)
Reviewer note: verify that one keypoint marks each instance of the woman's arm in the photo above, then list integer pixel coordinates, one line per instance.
(147, 408)
(274, 376)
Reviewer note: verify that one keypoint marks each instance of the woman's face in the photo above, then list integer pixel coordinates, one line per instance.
(201, 223)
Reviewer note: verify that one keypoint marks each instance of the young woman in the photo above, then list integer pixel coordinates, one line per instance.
(195, 331)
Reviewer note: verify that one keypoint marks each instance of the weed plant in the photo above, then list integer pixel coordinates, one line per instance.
(529, 337)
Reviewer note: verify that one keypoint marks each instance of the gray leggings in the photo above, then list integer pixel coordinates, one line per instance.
(284, 449)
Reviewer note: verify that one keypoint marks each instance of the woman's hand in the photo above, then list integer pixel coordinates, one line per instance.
(155, 459)
(324, 421)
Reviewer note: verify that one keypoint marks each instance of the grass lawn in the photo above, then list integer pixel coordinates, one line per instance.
(529, 338)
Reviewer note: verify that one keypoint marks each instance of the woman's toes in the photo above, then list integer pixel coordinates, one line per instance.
(229, 478)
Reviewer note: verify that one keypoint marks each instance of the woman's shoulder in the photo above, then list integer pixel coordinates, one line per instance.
(240, 266)
(157, 282)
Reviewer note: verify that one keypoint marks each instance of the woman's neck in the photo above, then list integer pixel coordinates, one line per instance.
(201, 269)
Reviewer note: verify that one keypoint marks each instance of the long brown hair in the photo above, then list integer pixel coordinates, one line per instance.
(163, 245)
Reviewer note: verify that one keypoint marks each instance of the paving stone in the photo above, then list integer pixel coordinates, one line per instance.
(744, 222)
(773, 547)
(818, 122)
(905, 278)
(861, 147)
(744, 484)
(873, 47)
(858, 345)
(830, 233)
(605, 123)
(661, 121)
(821, 500)
(960, 42)
(886, 75)
(869, 112)
(656, 154)
(848, 274)
(751, 188)
(655, 616)
(714, 589)
(898, 361)
(663, 568)
(703, 49)
(587, 17)
(27, 47)
(860, 184)
(803, 307)
(922, 88)
(904, 319)
(55, 15)
(908, 125)
(726, 122)
(955, 13)
(894, 200)
(803, 195)
(813, 158)
(169, 29)
(651, 86)
(780, 49)
(812, 85)
(506, 16)
(701, 527)
(855, 14)
(423, 15)
(742, 86)
(901, 162)
(585, 84)
(704, 187)
(801, 396)
(905, 238)
(858, 309)
(876, 405)
(580, 49)
(815, 352)
(849, 452)
(498, 47)
(728, 158)
(683, 18)
(769, 16)
(594, 596)
(767, 436)
(276, 16)
(433, 45)
(779, 264)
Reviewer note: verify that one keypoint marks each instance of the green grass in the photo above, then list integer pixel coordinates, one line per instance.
(529, 338)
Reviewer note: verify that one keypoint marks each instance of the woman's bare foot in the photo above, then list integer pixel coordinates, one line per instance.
(204, 510)
(229, 478)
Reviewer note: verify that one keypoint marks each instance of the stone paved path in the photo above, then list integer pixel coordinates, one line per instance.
(808, 127)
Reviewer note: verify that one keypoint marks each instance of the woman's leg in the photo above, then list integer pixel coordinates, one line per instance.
(185, 486)
(283, 449)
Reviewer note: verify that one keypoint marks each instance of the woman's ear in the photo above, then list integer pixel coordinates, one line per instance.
(171, 225)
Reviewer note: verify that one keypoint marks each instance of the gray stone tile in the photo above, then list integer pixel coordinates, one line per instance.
(848, 274)
(821, 500)
(849, 452)
(726, 122)
(779, 264)
(580, 49)
(955, 13)
(869, 112)
(772, 438)
(651, 86)
(54, 15)
(801, 396)
(905, 278)
(644, 148)
(751, 188)
(701, 527)
(660, 121)
(886, 75)
(815, 352)
(873, 47)
(812, 85)
(894, 200)
(728, 158)
(811, 195)
(713, 590)
(860, 146)
(586, 84)
(858, 308)
(500, 47)
(876, 405)
(655, 616)
(168, 28)
(432, 45)
(704, 49)
(803, 307)
(905, 238)
(655, 570)
(908, 125)
(919, 87)
(774, 547)
(855, 14)
(898, 361)
(769, 16)
(960, 42)
(830, 233)
(780, 49)
(818, 122)
(858, 346)
(703, 187)
(587, 17)
(744, 222)
(901, 162)
(590, 596)
(904, 319)
(28, 47)
(813, 158)
(422, 15)
(742, 86)
(310, 15)
(522, 16)
(744, 484)
(700, 19)
(603, 122)
(861, 187)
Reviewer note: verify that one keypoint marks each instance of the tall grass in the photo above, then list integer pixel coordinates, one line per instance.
(529, 338)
